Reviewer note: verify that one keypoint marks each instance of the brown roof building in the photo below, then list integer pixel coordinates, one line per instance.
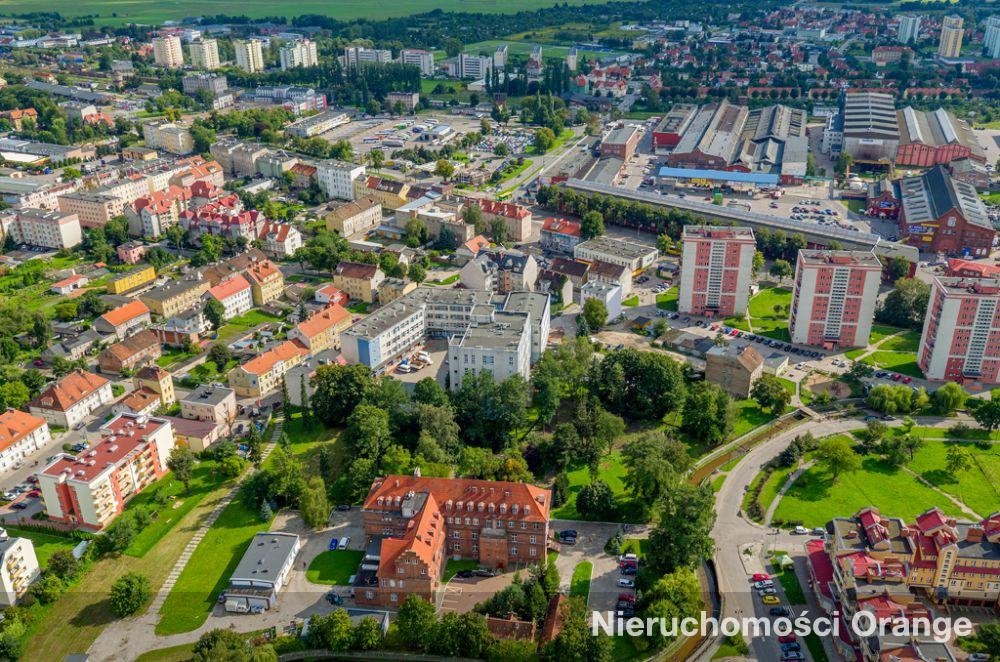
(734, 369)
(134, 351)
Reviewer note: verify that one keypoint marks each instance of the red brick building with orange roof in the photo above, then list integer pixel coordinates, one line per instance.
(417, 523)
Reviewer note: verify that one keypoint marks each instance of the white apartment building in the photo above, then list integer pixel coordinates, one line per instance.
(299, 53)
(71, 399)
(167, 51)
(249, 55)
(18, 567)
(952, 32)
(168, 136)
(355, 55)
(50, 229)
(422, 59)
(204, 54)
(498, 343)
(235, 295)
(336, 178)
(991, 38)
(474, 66)
(21, 434)
(636, 257)
(909, 29)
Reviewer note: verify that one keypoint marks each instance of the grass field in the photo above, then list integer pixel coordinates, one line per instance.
(632, 301)
(120, 12)
(668, 300)
(611, 471)
(880, 331)
(907, 341)
(181, 653)
(905, 363)
(579, 586)
(814, 498)
(764, 320)
(334, 567)
(46, 544)
(454, 566)
(978, 487)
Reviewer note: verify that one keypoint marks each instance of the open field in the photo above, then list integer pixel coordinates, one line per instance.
(764, 320)
(978, 487)
(905, 363)
(668, 300)
(611, 471)
(120, 12)
(334, 567)
(523, 48)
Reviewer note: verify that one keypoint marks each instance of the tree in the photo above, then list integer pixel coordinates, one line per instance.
(771, 394)
(417, 273)
(708, 413)
(367, 635)
(220, 644)
(368, 433)
(596, 501)
(334, 631)
(181, 462)
(444, 169)
(501, 149)
(255, 445)
(957, 459)
(129, 594)
(313, 504)
(906, 304)
(595, 312)
(220, 355)
(544, 139)
(338, 390)
(948, 399)
(63, 565)
(415, 623)
(911, 443)
(653, 463)
(987, 413)
(575, 641)
(838, 456)
(592, 225)
(758, 263)
(429, 392)
(215, 312)
(473, 215)
(682, 538)
(781, 269)
(376, 158)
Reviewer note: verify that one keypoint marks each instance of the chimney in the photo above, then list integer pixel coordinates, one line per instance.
(974, 534)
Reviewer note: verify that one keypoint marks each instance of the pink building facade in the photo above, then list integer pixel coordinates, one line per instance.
(716, 270)
(833, 300)
(961, 336)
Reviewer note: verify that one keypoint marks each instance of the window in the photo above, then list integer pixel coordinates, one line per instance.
(423, 572)
(393, 597)
(457, 546)
(513, 551)
(487, 360)
(532, 551)
(369, 594)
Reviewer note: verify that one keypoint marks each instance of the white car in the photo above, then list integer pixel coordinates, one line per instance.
(801, 530)
(625, 582)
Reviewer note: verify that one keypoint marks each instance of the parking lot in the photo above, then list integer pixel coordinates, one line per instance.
(589, 546)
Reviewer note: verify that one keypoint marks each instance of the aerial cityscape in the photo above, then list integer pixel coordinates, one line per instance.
(591, 331)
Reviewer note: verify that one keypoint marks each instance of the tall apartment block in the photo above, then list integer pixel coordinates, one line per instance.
(961, 337)
(991, 38)
(204, 54)
(249, 55)
(909, 29)
(300, 53)
(167, 51)
(952, 31)
(833, 301)
(716, 266)
(418, 58)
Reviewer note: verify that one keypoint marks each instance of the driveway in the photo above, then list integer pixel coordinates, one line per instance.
(604, 577)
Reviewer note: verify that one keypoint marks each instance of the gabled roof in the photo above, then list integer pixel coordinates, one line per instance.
(329, 317)
(15, 425)
(561, 226)
(359, 270)
(264, 363)
(125, 313)
(134, 344)
(68, 391)
(230, 287)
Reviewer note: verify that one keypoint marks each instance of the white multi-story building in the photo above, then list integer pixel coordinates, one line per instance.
(474, 66)
(204, 54)
(18, 567)
(71, 399)
(336, 178)
(90, 490)
(716, 269)
(249, 55)
(167, 51)
(991, 38)
(636, 257)
(168, 136)
(355, 55)
(500, 57)
(422, 59)
(952, 32)
(909, 29)
(234, 294)
(299, 53)
(50, 229)
(498, 343)
(961, 335)
(21, 434)
(833, 299)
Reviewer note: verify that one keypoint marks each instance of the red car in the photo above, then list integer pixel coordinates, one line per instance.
(907, 380)
(34, 494)
(786, 639)
(761, 577)
(896, 378)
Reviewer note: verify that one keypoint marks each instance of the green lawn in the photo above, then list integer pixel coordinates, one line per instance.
(181, 653)
(454, 566)
(358, 307)
(334, 567)
(450, 280)
(908, 341)
(740, 323)
(253, 318)
(632, 301)
(207, 572)
(46, 544)
(579, 586)
(764, 320)
(668, 300)
(814, 498)
(904, 363)
(172, 355)
(815, 646)
(789, 581)
(773, 485)
(637, 546)
(171, 503)
(853, 354)
(880, 331)
(749, 416)
(611, 471)
(978, 487)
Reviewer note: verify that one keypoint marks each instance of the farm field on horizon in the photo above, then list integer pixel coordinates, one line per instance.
(121, 12)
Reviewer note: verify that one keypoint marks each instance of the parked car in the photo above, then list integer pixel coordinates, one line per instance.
(333, 544)
(485, 572)
(344, 507)
(20, 505)
(761, 577)
(625, 582)
(791, 646)
(780, 611)
(771, 600)
(465, 574)
(768, 590)
(766, 583)
(786, 638)
(801, 530)
(819, 531)
(334, 598)
(789, 656)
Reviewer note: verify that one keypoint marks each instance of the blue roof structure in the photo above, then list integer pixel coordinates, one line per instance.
(758, 178)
